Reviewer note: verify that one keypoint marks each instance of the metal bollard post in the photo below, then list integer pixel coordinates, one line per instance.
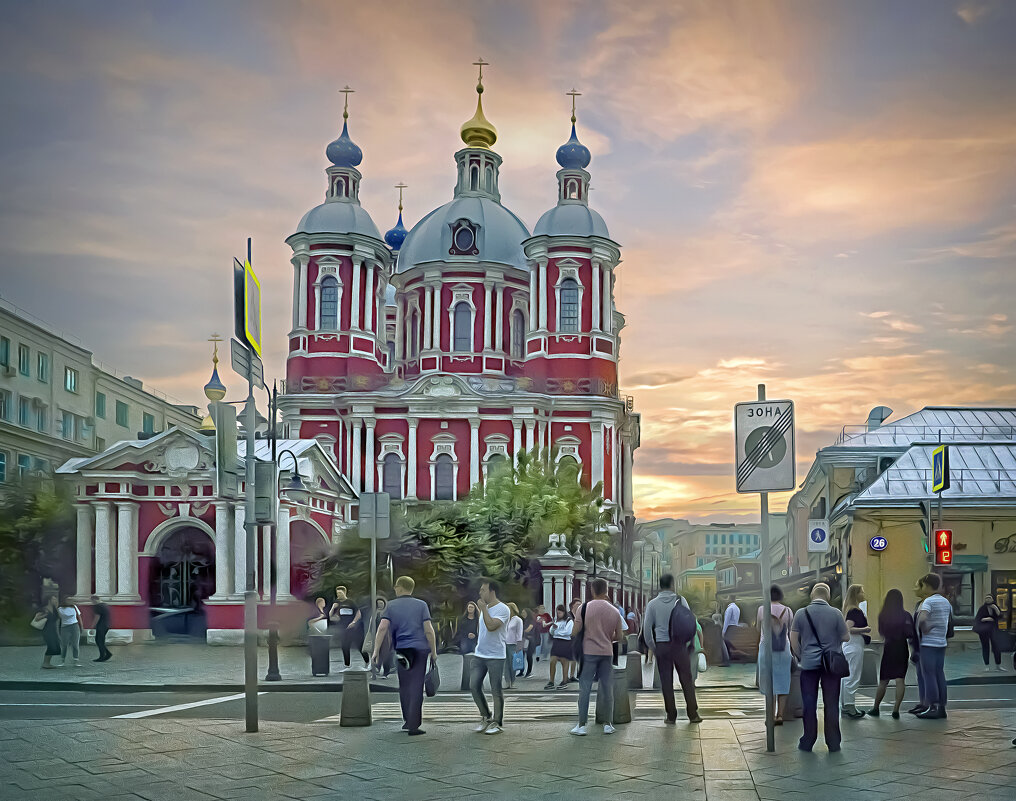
(467, 669)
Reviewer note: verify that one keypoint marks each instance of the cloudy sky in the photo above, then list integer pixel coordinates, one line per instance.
(817, 195)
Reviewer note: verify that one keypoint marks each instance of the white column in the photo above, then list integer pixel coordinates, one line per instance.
(596, 427)
(369, 467)
(127, 549)
(105, 567)
(437, 317)
(368, 299)
(266, 560)
(542, 434)
(400, 331)
(605, 299)
(303, 293)
(486, 316)
(474, 453)
(317, 306)
(499, 320)
(548, 594)
(282, 555)
(530, 434)
(428, 313)
(411, 461)
(223, 561)
(542, 296)
(516, 441)
(354, 296)
(83, 585)
(239, 550)
(626, 476)
(597, 306)
(296, 293)
(357, 436)
(347, 424)
(532, 300)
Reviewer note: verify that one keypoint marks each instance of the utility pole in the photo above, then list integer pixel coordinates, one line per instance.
(273, 565)
(766, 662)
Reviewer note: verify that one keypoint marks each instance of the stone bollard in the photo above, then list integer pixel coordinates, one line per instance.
(467, 669)
(633, 643)
(320, 657)
(622, 700)
(795, 706)
(633, 670)
(355, 710)
(869, 667)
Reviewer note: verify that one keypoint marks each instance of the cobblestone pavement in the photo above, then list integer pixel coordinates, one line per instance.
(968, 755)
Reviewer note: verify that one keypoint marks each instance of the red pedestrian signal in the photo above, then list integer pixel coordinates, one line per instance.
(943, 547)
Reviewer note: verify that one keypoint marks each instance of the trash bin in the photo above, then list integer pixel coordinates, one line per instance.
(320, 647)
(622, 701)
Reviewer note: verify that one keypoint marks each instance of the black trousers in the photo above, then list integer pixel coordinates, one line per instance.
(989, 641)
(100, 642)
(671, 657)
(411, 686)
(351, 640)
(810, 680)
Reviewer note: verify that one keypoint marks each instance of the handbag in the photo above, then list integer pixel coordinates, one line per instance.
(518, 660)
(702, 666)
(432, 682)
(834, 663)
(38, 623)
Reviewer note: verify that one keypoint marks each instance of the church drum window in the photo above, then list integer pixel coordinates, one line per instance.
(518, 334)
(329, 304)
(569, 306)
(463, 328)
(444, 478)
(391, 476)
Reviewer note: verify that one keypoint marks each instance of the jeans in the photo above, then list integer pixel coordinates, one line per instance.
(596, 668)
(100, 642)
(495, 669)
(545, 646)
(989, 641)
(854, 652)
(933, 667)
(411, 686)
(810, 680)
(922, 693)
(70, 640)
(670, 657)
(509, 674)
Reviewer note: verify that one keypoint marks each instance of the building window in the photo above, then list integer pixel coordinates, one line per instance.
(100, 405)
(24, 359)
(24, 465)
(148, 423)
(40, 419)
(5, 405)
(122, 414)
(3, 466)
(463, 328)
(495, 464)
(100, 444)
(43, 367)
(723, 539)
(568, 466)
(5, 351)
(329, 304)
(67, 426)
(24, 411)
(474, 177)
(489, 176)
(444, 478)
(70, 379)
(391, 476)
(569, 305)
(518, 334)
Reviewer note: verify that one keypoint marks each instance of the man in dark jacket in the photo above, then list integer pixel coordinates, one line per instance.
(670, 656)
(101, 612)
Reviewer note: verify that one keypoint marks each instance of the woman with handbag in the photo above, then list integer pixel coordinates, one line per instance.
(70, 631)
(47, 620)
(560, 647)
(779, 629)
(986, 626)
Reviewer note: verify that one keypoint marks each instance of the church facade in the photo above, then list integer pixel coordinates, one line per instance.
(422, 358)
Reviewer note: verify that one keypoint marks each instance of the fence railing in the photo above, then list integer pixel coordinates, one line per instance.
(965, 479)
(902, 435)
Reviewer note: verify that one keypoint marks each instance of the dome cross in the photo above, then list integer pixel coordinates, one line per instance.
(345, 105)
(573, 95)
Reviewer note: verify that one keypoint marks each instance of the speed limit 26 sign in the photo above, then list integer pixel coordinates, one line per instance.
(764, 438)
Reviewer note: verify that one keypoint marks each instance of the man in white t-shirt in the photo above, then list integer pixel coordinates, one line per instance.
(932, 629)
(489, 656)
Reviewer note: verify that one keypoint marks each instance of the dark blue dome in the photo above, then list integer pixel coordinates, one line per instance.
(397, 235)
(573, 155)
(343, 152)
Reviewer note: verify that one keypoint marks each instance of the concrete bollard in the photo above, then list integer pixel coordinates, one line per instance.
(622, 700)
(467, 669)
(355, 710)
(633, 643)
(795, 706)
(656, 674)
(633, 670)
(869, 667)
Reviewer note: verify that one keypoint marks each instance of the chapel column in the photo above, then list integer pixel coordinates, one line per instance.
(282, 556)
(411, 460)
(127, 550)
(223, 556)
(83, 587)
(369, 468)
(105, 566)
(474, 453)
(354, 296)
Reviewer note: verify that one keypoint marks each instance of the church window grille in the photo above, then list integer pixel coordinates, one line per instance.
(329, 304)
(569, 305)
(444, 478)
(463, 328)
(391, 476)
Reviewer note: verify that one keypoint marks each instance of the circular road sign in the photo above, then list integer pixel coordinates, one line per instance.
(818, 534)
(878, 543)
(775, 454)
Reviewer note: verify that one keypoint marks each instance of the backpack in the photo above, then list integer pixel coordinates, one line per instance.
(682, 624)
(779, 637)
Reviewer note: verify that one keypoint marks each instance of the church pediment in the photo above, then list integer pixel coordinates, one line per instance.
(175, 453)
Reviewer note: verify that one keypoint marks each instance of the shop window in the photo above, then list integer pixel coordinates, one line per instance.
(1003, 587)
(958, 588)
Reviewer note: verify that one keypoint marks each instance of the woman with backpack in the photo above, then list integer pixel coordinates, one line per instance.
(779, 629)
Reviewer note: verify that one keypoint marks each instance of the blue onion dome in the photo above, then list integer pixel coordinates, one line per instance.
(573, 155)
(215, 390)
(397, 235)
(344, 152)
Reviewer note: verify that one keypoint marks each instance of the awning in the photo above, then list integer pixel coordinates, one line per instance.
(968, 563)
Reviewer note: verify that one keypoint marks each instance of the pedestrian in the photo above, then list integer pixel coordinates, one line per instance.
(318, 621)
(545, 621)
(386, 652)
(671, 655)
(70, 631)
(512, 645)
(817, 629)
(731, 620)
(50, 619)
(986, 626)
(489, 656)
(101, 625)
(779, 629)
(896, 627)
(465, 632)
(600, 626)
(915, 652)
(932, 626)
(560, 647)
(530, 640)
(573, 665)
(345, 619)
(853, 650)
(407, 620)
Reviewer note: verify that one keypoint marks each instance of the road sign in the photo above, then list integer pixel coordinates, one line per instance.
(375, 521)
(818, 536)
(878, 543)
(764, 440)
(940, 469)
(247, 305)
(227, 465)
(943, 547)
(246, 363)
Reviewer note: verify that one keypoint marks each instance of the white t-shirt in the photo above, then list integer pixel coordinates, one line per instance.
(490, 644)
(68, 615)
(938, 610)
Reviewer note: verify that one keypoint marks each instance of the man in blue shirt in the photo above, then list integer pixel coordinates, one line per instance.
(932, 625)
(408, 620)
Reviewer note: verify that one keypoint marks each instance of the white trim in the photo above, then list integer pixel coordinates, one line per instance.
(162, 532)
(564, 272)
(444, 445)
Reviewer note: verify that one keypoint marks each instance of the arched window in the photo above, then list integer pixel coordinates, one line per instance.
(518, 333)
(444, 478)
(568, 466)
(474, 178)
(495, 464)
(572, 190)
(329, 304)
(391, 476)
(489, 178)
(463, 328)
(569, 305)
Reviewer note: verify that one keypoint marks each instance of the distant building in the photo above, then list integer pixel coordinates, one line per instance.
(58, 403)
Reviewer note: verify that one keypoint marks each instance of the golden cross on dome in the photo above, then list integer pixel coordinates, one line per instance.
(573, 95)
(400, 186)
(481, 64)
(345, 106)
(216, 338)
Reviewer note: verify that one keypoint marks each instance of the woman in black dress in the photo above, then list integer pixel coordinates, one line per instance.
(986, 626)
(50, 632)
(896, 625)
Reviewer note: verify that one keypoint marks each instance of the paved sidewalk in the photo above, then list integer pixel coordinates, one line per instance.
(968, 755)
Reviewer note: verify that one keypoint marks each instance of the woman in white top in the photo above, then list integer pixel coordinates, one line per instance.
(70, 631)
(561, 651)
(512, 643)
(779, 628)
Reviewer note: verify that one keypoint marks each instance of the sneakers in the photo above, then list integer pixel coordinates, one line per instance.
(483, 725)
(933, 713)
(549, 685)
(608, 729)
(563, 685)
(493, 729)
(578, 731)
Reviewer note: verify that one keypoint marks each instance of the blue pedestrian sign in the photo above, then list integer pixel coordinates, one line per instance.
(878, 543)
(940, 469)
(818, 536)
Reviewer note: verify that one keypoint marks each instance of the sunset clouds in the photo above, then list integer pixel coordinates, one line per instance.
(819, 196)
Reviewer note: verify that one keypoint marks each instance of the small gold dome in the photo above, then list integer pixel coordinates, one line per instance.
(207, 424)
(479, 132)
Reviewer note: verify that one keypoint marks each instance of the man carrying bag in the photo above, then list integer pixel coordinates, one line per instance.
(669, 630)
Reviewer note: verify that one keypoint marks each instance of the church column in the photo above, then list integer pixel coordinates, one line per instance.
(542, 296)
(411, 460)
(597, 306)
(499, 320)
(84, 550)
(530, 434)
(532, 300)
(357, 442)
(354, 296)
(368, 299)
(282, 555)
(428, 313)
(369, 468)
(239, 550)
(317, 305)
(626, 482)
(127, 549)
(516, 440)
(596, 427)
(296, 293)
(607, 324)
(541, 434)
(474, 452)
(222, 554)
(347, 424)
(548, 592)
(400, 325)
(486, 316)
(437, 317)
(105, 567)
(302, 317)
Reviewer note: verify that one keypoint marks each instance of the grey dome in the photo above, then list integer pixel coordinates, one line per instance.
(571, 219)
(338, 217)
(499, 239)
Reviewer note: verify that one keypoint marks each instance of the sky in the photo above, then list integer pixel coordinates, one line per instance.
(816, 195)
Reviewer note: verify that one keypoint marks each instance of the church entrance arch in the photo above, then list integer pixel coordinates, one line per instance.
(307, 545)
(181, 577)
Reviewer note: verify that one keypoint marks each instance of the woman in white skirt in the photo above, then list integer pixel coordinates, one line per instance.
(860, 635)
(779, 629)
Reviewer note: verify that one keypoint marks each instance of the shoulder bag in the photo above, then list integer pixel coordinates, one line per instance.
(38, 623)
(834, 662)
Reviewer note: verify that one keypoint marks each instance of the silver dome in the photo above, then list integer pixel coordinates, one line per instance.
(338, 217)
(571, 219)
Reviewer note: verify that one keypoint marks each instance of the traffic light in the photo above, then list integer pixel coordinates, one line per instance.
(943, 547)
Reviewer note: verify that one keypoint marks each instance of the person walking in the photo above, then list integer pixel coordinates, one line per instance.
(512, 644)
(465, 632)
(70, 631)
(544, 621)
(345, 618)
(576, 659)
(818, 628)
(671, 656)
(896, 627)
(779, 629)
(560, 647)
(530, 640)
(986, 626)
(385, 652)
(600, 626)
(853, 650)
(407, 620)
(317, 623)
(933, 630)
(101, 625)
(489, 657)
(731, 620)
(50, 619)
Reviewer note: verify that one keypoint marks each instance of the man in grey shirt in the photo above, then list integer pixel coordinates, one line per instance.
(670, 656)
(818, 628)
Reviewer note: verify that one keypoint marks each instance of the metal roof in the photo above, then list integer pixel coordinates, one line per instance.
(956, 424)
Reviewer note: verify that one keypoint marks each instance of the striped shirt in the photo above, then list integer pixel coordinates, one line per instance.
(937, 610)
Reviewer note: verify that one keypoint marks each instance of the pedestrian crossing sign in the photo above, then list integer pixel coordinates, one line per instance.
(940, 469)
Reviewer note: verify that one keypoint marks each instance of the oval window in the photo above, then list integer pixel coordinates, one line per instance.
(464, 239)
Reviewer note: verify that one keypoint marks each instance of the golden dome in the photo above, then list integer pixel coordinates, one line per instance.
(207, 424)
(479, 132)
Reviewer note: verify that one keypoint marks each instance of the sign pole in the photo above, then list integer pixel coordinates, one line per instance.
(250, 596)
(766, 663)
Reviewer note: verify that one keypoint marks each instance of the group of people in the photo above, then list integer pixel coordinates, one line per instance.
(61, 624)
(344, 621)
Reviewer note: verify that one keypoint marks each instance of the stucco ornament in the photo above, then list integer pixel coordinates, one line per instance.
(441, 387)
(176, 460)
